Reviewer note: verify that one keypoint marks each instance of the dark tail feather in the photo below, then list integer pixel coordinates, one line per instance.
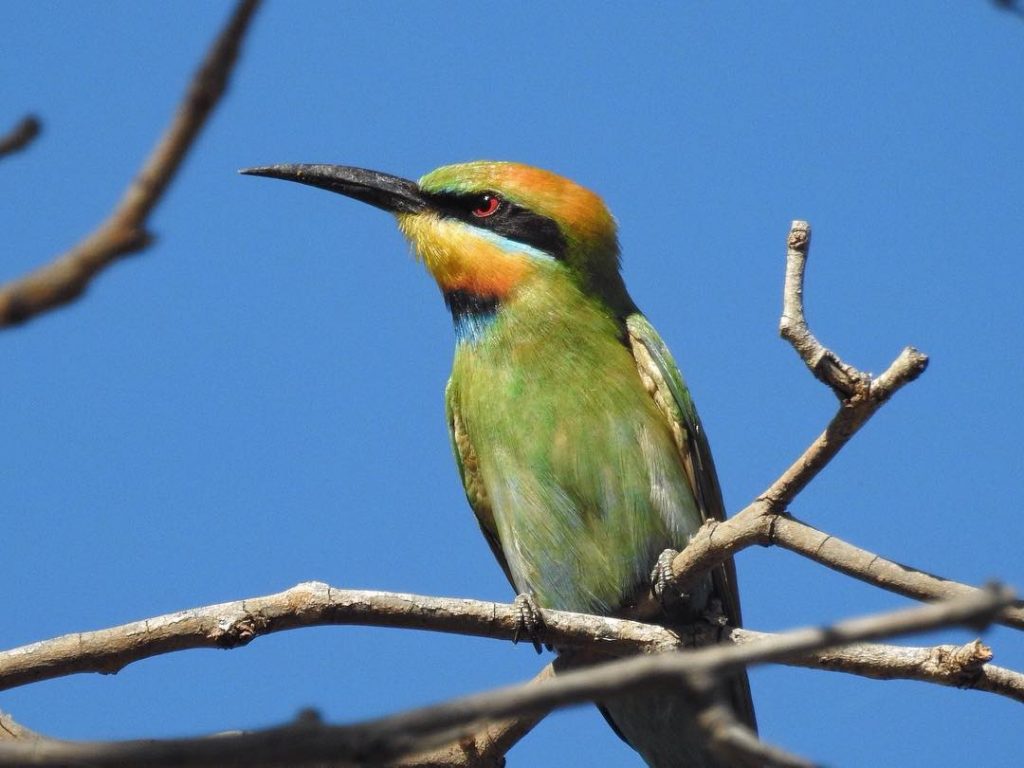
(660, 725)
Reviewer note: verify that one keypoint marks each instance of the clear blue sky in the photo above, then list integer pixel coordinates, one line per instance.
(257, 400)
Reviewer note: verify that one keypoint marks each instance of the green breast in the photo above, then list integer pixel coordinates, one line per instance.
(583, 478)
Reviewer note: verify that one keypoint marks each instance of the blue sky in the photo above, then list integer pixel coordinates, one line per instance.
(257, 399)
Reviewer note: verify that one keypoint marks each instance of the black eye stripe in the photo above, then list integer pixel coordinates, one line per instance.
(509, 220)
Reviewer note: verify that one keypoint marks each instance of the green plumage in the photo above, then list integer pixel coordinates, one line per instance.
(583, 458)
(583, 484)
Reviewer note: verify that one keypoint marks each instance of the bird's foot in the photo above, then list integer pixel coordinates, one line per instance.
(714, 614)
(662, 578)
(529, 622)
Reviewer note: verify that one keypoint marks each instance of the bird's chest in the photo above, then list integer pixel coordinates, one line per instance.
(544, 404)
(577, 465)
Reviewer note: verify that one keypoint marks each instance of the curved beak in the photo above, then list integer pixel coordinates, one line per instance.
(390, 193)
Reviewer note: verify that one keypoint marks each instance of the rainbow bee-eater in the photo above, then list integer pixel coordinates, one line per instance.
(573, 430)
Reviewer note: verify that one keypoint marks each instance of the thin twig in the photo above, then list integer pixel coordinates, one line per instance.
(860, 398)
(392, 737)
(859, 394)
(20, 136)
(124, 231)
(954, 666)
(797, 536)
(826, 367)
(716, 541)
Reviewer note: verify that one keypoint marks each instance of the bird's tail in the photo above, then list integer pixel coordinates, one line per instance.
(661, 725)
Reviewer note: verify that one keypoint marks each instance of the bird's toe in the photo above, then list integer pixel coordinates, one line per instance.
(529, 621)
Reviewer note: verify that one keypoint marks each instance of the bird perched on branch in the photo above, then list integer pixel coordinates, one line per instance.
(576, 439)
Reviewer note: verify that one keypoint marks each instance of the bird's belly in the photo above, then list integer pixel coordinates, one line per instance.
(584, 482)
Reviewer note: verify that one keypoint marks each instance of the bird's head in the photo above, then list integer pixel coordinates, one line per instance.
(486, 229)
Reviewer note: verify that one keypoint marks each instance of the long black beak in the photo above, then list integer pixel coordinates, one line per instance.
(391, 193)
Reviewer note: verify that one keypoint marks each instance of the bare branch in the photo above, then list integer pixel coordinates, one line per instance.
(738, 745)
(391, 737)
(716, 541)
(20, 136)
(234, 624)
(484, 749)
(954, 666)
(797, 536)
(229, 625)
(860, 397)
(11, 730)
(845, 380)
(124, 231)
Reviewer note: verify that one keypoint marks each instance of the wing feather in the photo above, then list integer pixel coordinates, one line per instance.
(472, 482)
(666, 385)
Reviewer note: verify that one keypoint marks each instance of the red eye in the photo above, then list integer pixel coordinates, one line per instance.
(487, 205)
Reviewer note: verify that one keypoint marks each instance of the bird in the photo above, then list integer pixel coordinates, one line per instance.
(575, 436)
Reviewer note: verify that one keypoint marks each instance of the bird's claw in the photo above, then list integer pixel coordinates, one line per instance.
(528, 620)
(662, 578)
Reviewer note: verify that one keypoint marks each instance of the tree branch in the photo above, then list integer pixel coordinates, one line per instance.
(20, 136)
(124, 231)
(843, 379)
(11, 730)
(230, 625)
(484, 749)
(860, 397)
(953, 666)
(716, 541)
(736, 744)
(391, 737)
(796, 536)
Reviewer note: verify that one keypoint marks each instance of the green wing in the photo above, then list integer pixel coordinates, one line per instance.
(469, 471)
(665, 383)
